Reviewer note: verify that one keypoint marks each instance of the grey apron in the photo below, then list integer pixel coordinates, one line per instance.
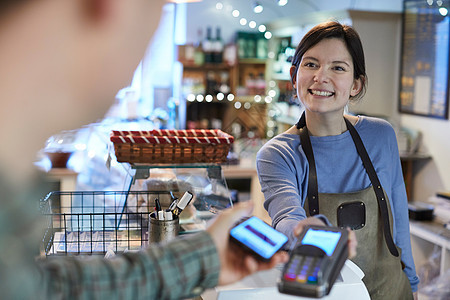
(368, 214)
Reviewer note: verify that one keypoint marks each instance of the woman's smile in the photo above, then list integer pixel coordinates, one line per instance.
(320, 93)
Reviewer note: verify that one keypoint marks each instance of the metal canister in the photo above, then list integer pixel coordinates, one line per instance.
(162, 230)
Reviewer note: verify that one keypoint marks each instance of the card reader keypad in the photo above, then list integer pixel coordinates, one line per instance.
(303, 269)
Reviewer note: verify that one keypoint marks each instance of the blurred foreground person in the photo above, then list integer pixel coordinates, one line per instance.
(61, 63)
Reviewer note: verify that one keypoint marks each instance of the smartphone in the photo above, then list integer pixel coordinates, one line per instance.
(315, 262)
(258, 238)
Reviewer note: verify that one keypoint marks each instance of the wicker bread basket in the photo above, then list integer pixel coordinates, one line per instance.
(171, 146)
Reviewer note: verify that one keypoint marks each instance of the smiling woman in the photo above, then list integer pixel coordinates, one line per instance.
(339, 169)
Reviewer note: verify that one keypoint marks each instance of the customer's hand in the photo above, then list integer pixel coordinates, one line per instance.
(235, 264)
(352, 242)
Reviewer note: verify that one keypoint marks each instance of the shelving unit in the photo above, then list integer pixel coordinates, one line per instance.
(206, 113)
(245, 80)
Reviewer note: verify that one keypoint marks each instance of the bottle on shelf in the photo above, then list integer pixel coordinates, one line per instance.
(217, 48)
(250, 84)
(283, 46)
(251, 46)
(203, 124)
(260, 84)
(216, 123)
(224, 87)
(207, 46)
(199, 56)
(193, 85)
(211, 83)
(261, 47)
(230, 54)
(241, 44)
(283, 62)
(189, 52)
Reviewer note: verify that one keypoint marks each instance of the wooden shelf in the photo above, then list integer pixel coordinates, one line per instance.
(208, 67)
(252, 61)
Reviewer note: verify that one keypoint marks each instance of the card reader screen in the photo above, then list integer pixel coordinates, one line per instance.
(326, 240)
(259, 237)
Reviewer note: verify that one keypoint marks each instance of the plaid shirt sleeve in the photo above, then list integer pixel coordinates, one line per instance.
(179, 269)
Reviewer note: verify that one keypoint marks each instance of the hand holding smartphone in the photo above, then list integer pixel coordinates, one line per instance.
(258, 238)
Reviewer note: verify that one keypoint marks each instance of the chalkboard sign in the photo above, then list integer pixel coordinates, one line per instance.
(424, 84)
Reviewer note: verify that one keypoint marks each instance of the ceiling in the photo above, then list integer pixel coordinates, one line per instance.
(199, 15)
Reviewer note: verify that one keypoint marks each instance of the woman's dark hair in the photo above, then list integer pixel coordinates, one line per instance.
(336, 30)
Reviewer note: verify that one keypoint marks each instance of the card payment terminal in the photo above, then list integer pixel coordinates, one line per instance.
(315, 262)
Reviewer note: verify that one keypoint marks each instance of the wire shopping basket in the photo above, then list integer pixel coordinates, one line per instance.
(95, 222)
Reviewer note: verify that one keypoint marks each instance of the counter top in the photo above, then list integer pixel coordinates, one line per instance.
(263, 285)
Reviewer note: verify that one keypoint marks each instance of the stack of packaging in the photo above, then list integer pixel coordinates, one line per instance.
(441, 202)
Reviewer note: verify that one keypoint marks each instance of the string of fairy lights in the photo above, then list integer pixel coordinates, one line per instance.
(258, 8)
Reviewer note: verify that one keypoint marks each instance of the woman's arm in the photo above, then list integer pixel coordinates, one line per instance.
(400, 214)
(282, 175)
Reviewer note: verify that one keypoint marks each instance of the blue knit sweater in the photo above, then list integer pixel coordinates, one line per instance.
(283, 173)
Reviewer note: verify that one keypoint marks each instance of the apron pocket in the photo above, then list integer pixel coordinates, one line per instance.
(352, 215)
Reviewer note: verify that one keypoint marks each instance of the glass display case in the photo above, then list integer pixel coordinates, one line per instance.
(205, 181)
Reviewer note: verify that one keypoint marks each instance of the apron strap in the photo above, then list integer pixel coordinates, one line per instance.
(376, 186)
(313, 190)
(313, 195)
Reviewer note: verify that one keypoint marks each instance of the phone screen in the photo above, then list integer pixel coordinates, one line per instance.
(259, 237)
(324, 239)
